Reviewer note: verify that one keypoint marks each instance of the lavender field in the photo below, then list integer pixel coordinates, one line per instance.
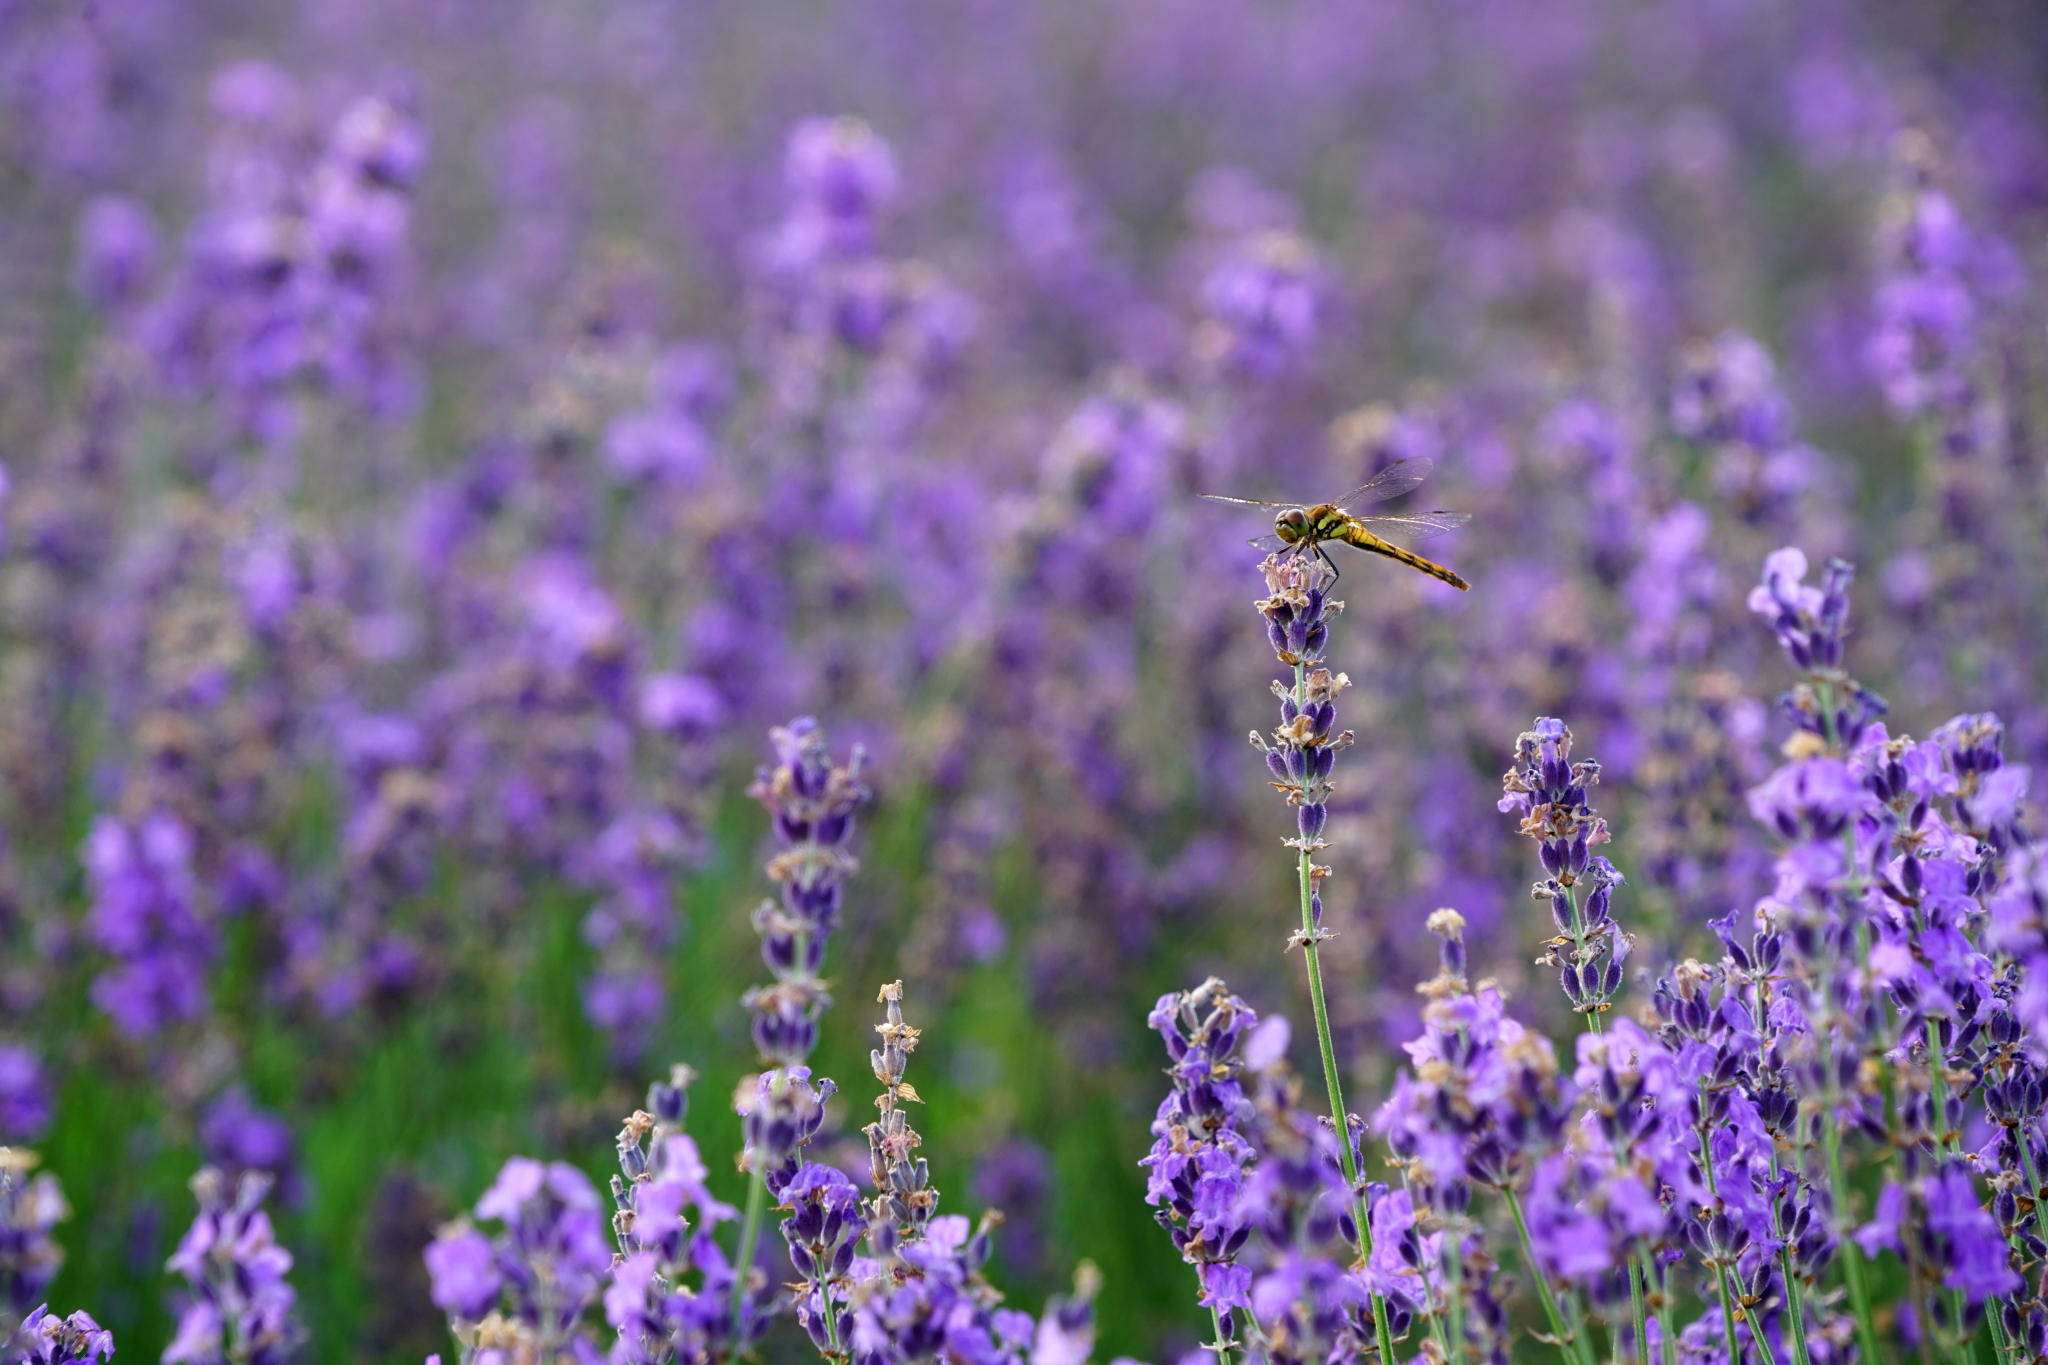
(623, 724)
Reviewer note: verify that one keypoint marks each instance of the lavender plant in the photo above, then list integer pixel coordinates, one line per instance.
(1301, 755)
(46, 1339)
(239, 1309)
(811, 801)
(404, 547)
(524, 1292)
(30, 1208)
(660, 1315)
(1707, 1135)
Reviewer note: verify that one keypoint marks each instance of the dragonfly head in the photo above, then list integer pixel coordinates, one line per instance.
(1291, 525)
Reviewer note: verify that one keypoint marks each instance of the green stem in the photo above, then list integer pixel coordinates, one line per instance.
(1571, 898)
(1728, 1313)
(1222, 1352)
(1339, 1118)
(1795, 1297)
(831, 1321)
(1566, 1341)
(1639, 1313)
(2004, 1346)
(1667, 1334)
(2026, 1147)
(1852, 1267)
(750, 1232)
(1436, 1322)
(1454, 1290)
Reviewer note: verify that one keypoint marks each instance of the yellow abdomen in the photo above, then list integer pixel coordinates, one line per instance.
(1357, 535)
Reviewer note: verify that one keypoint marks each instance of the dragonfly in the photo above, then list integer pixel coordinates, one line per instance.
(1306, 529)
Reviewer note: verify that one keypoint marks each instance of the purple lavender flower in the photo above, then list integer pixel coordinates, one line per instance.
(1303, 750)
(464, 1268)
(780, 1112)
(1248, 1187)
(811, 801)
(1728, 390)
(30, 1207)
(24, 1094)
(919, 1292)
(118, 253)
(1199, 1161)
(843, 175)
(1549, 790)
(238, 1135)
(1926, 331)
(1016, 1177)
(145, 916)
(240, 1308)
(659, 1314)
(1485, 1097)
(825, 1225)
(633, 925)
(528, 1287)
(1261, 303)
(46, 1339)
(1808, 623)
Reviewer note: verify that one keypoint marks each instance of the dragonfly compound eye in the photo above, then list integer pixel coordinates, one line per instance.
(1291, 525)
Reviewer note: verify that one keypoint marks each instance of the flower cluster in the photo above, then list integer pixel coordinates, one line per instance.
(240, 1310)
(1549, 790)
(919, 1291)
(523, 1293)
(31, 1206)
(811, 802)
(146, 917)
(1303, 749)
(660, 1315)
(1808, 623)
(1854, 1011)
(403, 553)
(46, 1339)
(1248, 1185)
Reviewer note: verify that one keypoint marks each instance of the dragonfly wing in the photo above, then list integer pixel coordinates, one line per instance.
(1244, 502)
(1412, 528)
(1402, 476)
(1269, 545)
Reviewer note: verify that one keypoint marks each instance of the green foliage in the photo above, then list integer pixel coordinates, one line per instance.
(403, 1116)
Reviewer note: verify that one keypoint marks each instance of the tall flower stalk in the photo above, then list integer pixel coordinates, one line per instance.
(811, 801)
(1301, 756)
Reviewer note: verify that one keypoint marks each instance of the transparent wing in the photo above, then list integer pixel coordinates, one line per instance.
(1412, 528)
(1245, 502)
(1402, 476)
(1269, 545)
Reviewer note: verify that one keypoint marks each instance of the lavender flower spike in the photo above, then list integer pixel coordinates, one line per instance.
(1809, 622)
(1301, 756)
(812, 801)
(526, 1290)
(47, 1339)
(904, 1199)
(29, 1257)
(661, 1317)
(1549, 790)
(241, 1306)
(919, 1294)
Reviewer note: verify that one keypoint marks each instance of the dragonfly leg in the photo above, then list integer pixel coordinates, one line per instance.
(1335, 572)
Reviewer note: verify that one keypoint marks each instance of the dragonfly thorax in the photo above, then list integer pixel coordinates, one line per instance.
(1327, 522)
